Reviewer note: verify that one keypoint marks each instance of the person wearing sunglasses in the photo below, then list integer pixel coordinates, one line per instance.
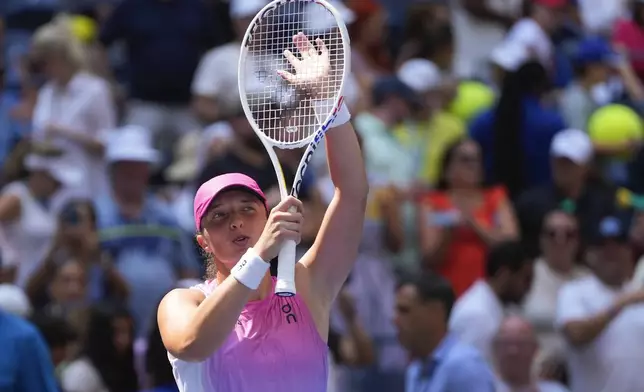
(461, 219)
(559, 248)
(601, 316)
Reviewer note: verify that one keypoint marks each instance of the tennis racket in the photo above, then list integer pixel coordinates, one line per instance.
(294, 59)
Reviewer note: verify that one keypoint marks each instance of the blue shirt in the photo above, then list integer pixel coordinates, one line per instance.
(149, 252)
(164, 41)
(452, 367)
(25, 362)
(539, 125)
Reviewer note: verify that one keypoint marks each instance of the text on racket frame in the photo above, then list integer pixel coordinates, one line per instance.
(313, 146)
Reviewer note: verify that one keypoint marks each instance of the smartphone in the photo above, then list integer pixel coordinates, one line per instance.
(445, 218)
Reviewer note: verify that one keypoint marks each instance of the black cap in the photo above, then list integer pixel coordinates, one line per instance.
(388, 86)
(613, 227)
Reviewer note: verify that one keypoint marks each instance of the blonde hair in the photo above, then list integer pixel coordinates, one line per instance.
(58, 37)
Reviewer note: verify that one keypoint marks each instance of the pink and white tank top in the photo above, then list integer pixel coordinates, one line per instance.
(275, 347)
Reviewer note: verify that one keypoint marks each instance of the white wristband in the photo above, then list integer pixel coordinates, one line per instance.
(250, 269)
(342, 115)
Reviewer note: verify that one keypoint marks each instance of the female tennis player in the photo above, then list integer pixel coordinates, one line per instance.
(232, 333)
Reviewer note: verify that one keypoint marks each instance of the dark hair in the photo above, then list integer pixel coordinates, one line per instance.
(117, 370)
(446, 161)
(56, 331)
(506, 254)
(435, 40)
(156, 360)
(69, 212)
(431, 287)
(508, 162)
(636, 11)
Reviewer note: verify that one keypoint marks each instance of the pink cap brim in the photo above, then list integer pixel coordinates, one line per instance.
(213, 187)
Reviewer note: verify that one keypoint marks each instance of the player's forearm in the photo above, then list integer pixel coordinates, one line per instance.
(346, 165)
(213, 320)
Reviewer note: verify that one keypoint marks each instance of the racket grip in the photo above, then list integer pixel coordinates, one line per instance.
(285, 286)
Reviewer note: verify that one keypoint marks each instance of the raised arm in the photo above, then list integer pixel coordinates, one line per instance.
(335, 249)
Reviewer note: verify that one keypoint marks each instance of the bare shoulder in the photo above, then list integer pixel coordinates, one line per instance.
(179, 300)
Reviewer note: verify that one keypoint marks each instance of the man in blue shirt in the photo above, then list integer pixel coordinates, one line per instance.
(25, 363)
(440, 363)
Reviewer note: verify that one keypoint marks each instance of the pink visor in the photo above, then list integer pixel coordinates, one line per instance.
(213, 187)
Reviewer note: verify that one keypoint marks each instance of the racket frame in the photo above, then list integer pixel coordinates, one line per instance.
(285, 286)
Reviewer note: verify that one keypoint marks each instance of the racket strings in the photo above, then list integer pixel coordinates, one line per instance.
(283, 111)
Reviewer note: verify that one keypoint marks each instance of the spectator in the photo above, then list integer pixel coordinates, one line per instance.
(579, 100)
(478, 28)
(506, 58)
(216, 75)
(246, 154)
(432, 129)
(559, 244)
(384, 157)
(515, 348)
(600, 316)
(440, 361)
(106, 361)
(533, 32)
(573, 190)
(515, 135)
(429, 36)
(136, 230)
(164, 41)
(30, 368)
(157, 367)
(370, 60)
(462, 219)
(28, 214)
(73, 107)
(59, 336)
(478, 314)
(353, 347)
(81, 270)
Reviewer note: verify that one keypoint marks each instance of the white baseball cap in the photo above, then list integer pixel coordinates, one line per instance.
(509, 56)
(61, 170)
(420, 75)
(131, 143)
(573, 144)
(14, 300)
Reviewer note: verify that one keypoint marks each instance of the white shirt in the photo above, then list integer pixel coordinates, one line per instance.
(81, 376)
(599, 16)
(477, 316)
(613, 361)
(527, 34)
(475, 38)
(25, 242)
(85, 105)
(540, 305)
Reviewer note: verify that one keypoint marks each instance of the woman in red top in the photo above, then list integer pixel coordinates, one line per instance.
(461, 219)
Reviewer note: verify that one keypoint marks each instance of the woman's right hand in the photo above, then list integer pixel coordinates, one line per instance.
(284, 223)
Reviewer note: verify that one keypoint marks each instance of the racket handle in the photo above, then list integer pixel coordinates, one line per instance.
(285, 286)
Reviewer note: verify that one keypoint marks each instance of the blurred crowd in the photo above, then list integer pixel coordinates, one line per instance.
(503, 143)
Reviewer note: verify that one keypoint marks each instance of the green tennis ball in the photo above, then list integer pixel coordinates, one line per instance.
(615, 124)
(471, 99)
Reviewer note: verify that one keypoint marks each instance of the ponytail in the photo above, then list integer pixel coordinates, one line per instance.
(508, 161)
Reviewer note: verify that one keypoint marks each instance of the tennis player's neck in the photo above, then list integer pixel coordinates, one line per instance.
(263, 292)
